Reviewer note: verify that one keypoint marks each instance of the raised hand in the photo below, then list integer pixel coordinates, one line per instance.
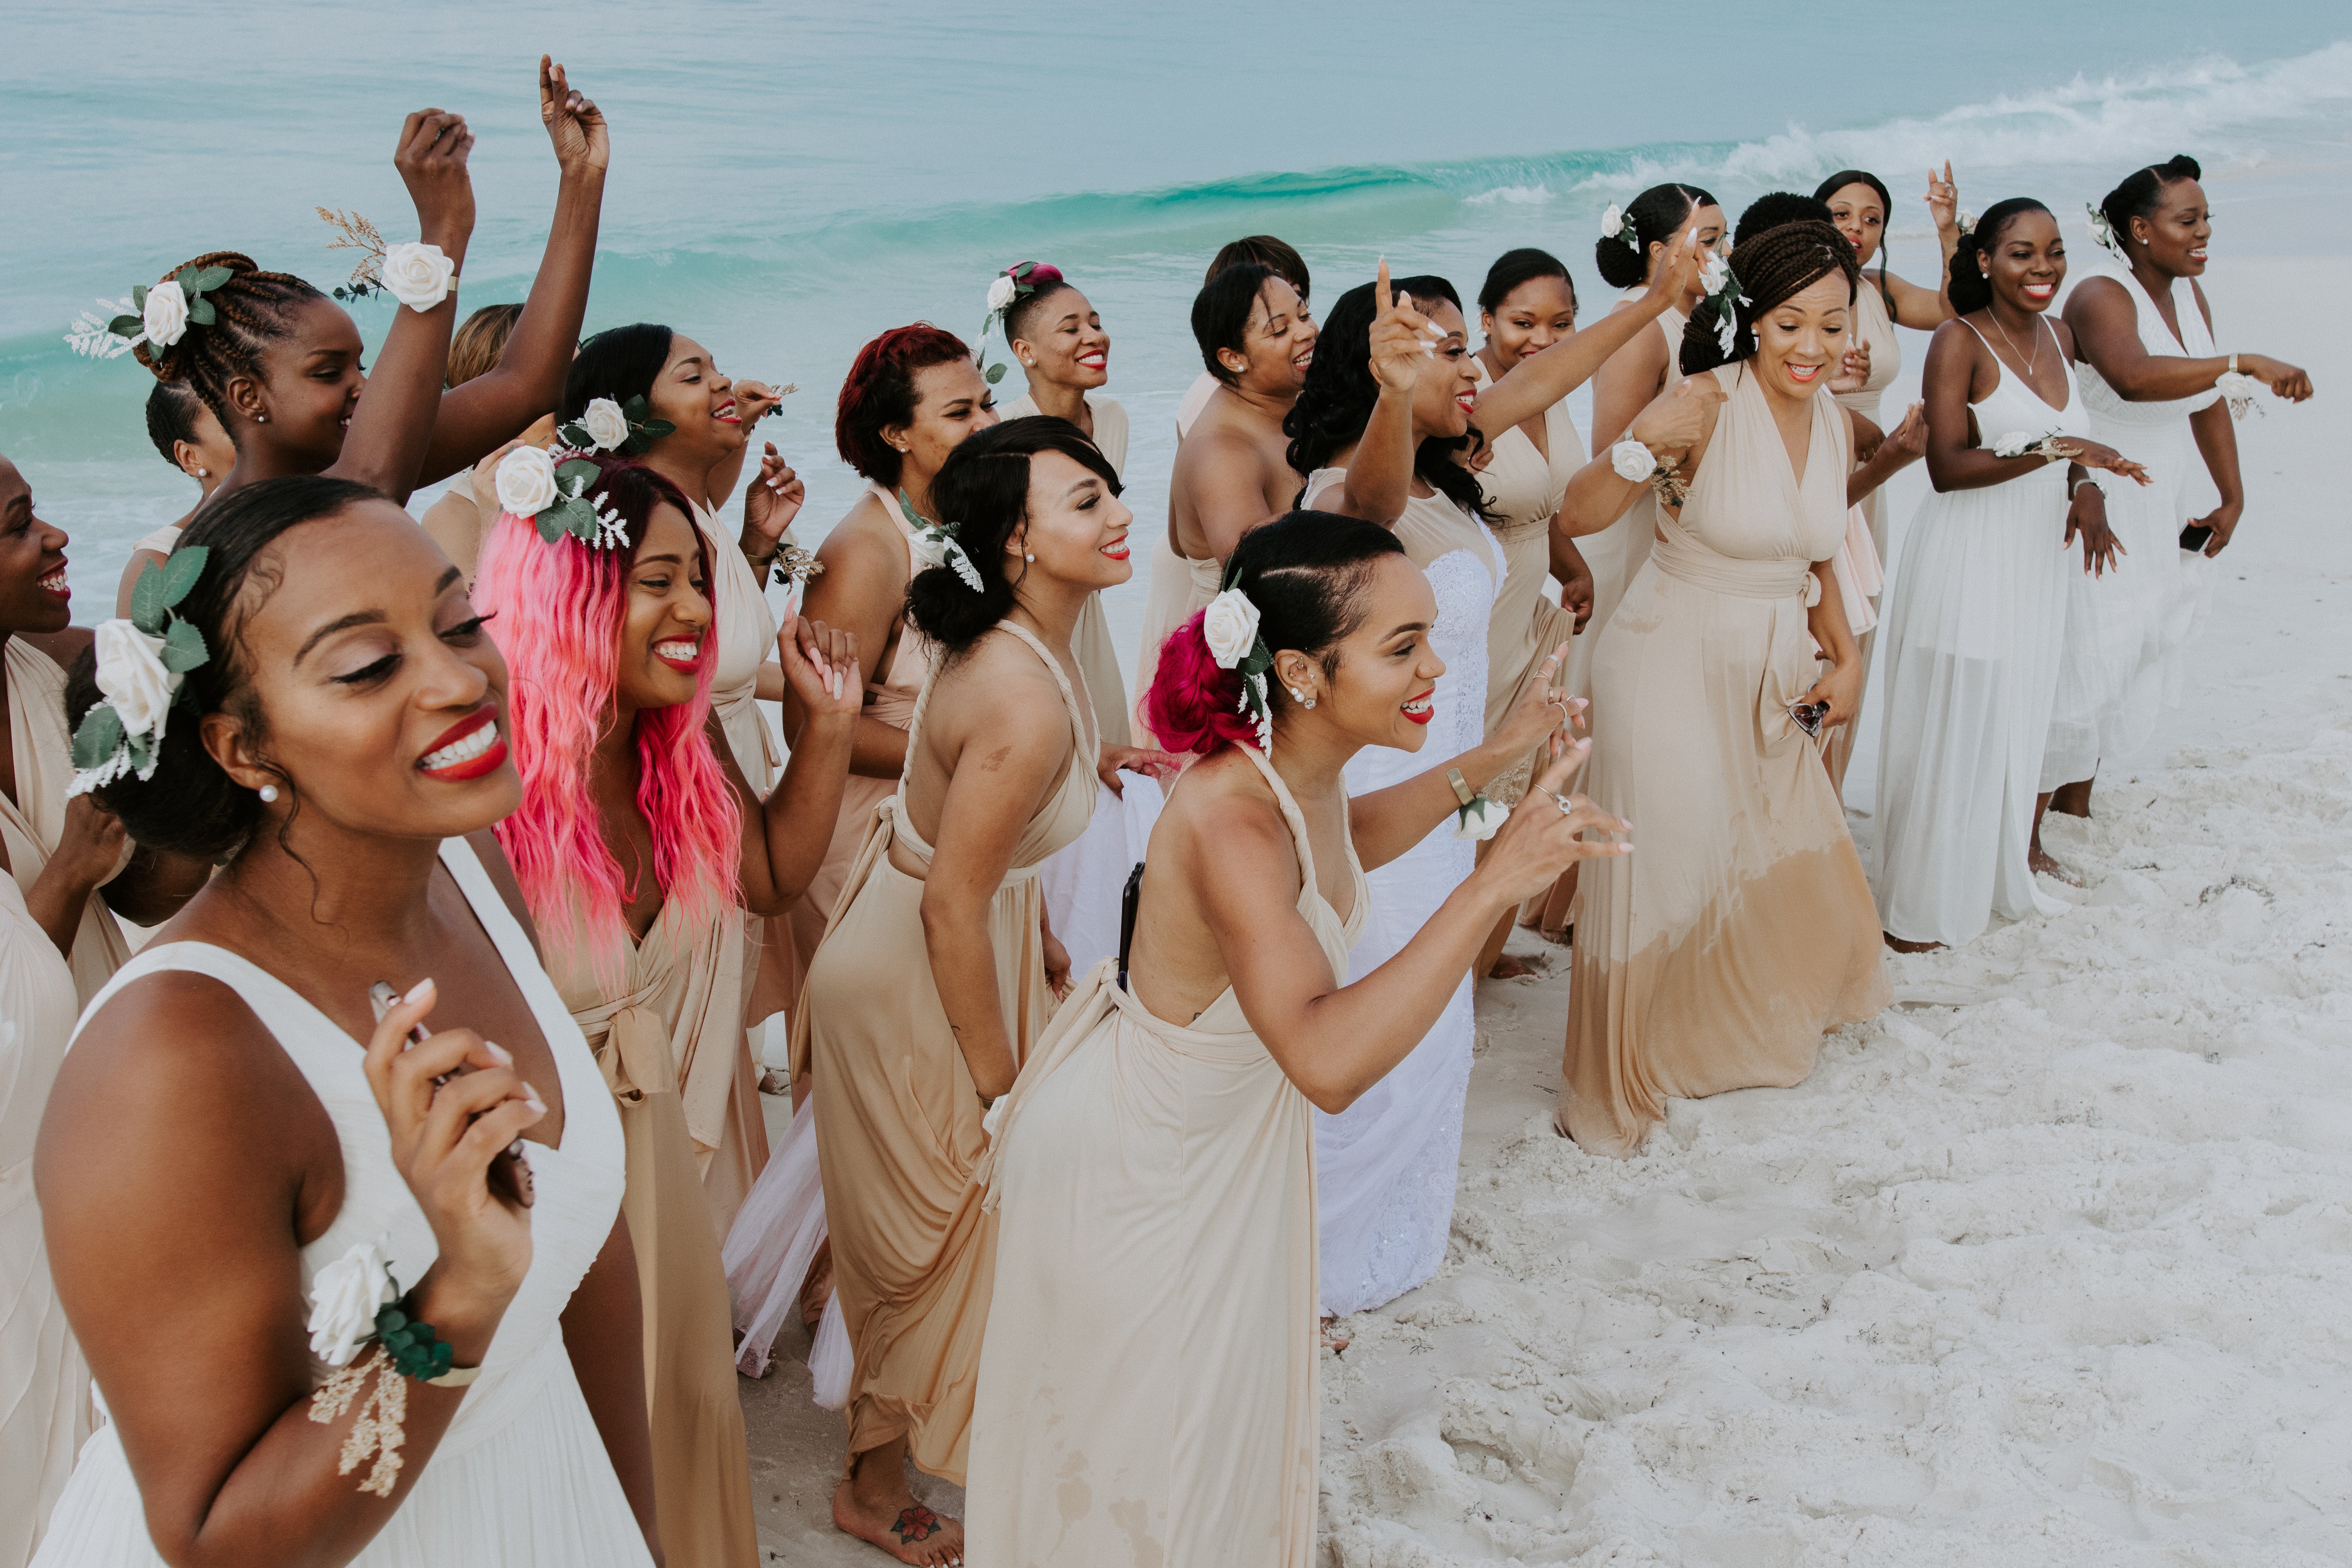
(574, 123)
(1542, 710)
(770, 504)
(1670, 425)
(431, 158)
(755, 400)
(1943, 199)
(1161, 766)
(1398, 336)
(1545, 833)
(1853, 373)
(820, 665)
(2086, 516)
(444, 1135)
(1910, 437)
(1679, 265)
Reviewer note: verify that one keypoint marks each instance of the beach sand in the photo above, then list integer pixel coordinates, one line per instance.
(2049, 1264)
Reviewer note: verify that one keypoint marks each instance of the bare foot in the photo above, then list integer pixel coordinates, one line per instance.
(1511, 967)
(2039, 860)
(1899, 945)
(874, 1505)
(1332, 1339)
(2074, 799)
(773, 1082)
(1564, 937)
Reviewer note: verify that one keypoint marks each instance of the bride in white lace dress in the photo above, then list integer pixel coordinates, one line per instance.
(1378, 429)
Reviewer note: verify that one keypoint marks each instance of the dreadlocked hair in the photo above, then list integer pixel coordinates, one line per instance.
(250, 311)
(1970, 289)
(1336, 404)
(2142, 192)
(1773, 269)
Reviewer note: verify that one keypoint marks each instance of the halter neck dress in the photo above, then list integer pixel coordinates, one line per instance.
(1386, 1167)
(1974, 632)
(1526, 486)
(1615, 554)
(521, 1475)
(898, 1119)
(34, 824)
(1714, 957)
(1091, 642)
(1148, 1386)
(44, 1384)
(2128, 632)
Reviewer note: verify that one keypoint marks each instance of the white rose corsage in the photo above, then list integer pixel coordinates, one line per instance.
(934, 543)
(142, 663)
(554, 490)
(2236, 389)
(418, 274)
(2018, 444)
(1633, 460)
(1229, 629)
(356, 1300)
(604, 426)
(152, 318)
(1479, 817)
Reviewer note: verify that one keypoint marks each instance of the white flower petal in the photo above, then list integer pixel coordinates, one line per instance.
(526, 481)
(418, 276)
(165, 315)
(1229, 626)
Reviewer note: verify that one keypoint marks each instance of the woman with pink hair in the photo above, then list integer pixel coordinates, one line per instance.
(638, 846)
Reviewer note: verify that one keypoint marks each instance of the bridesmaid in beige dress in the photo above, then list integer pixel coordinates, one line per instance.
(1716, 960)
(190, 439)
(1148, 1386)
(655, 978)
(936, 975)
(703, 455)
(1859, 205)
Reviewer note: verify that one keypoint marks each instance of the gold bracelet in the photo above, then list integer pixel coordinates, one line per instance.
(456, 1377)
(1461, 788)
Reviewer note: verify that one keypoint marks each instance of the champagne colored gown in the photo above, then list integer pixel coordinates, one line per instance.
(1526, 486)
(898, 1119)
(43, 1385)
(1716, 956)
(1091, 642)
(1873, 326)
(33, 823)
(1148, 1388)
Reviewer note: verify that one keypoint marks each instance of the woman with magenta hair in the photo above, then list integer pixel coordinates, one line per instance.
(638, 845)
(937, 972)
(1149, 1377)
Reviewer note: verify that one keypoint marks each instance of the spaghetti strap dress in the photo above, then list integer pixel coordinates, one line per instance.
(521, 1476)
(1974, 631)
(1147, 1387)
(898, 1119)
(2127, 631)
(1714, 957)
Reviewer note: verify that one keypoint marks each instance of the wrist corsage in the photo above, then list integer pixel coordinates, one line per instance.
(1478, 818)
(1634, 460)
(2236, 389)
(794, 564)
(419, 276)
(2018, 444)
(356, 1300)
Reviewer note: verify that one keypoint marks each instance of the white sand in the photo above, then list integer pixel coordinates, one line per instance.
(2050, 1264)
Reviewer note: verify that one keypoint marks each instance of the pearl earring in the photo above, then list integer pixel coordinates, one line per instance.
(261, 419)
(203, 473)
(268, 793)
(1026, 556)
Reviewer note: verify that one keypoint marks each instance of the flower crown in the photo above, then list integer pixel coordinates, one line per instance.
(1615, 225)
(1723, 296)
(143, 667)
(935, 544)
(1229, 626)
(1016, 283)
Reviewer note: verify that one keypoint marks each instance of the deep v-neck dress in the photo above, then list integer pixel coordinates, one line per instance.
(1148, 1386)
(521, 1476)
(1715, 956)
(898, 1119)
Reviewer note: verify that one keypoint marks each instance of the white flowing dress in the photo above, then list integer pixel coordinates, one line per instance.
(1974, 632)
(2128, 633)
(520, 1477)
(1385, 1168)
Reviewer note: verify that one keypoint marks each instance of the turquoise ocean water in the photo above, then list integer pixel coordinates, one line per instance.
(789, 180)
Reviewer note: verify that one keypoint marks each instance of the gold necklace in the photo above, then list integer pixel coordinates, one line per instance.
(2031, 358)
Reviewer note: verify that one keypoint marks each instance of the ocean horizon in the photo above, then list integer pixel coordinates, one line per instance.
(787, 181)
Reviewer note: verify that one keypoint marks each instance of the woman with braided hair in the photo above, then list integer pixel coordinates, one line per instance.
(2151, 378)
(1716, 958)
(1976, 621)
(279, 362)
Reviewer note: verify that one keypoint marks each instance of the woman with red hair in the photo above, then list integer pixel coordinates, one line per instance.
(638, 845)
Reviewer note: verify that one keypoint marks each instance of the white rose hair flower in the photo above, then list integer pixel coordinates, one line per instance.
(142, 667)
(157, 317)
(130, 670)
(418, 274)
(1633, 460)
(1002, 292)
(603, 424)
(164, 318)
(345, 1299)
(526, 481)
(1229, 626)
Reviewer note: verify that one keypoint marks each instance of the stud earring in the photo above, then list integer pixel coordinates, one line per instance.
(261, 419)
(203, 473)
(268, 793)
(1026, 556)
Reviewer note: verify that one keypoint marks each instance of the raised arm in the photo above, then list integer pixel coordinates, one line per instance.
(179, 1172)
(391, 427)
(1333, 1041)
(528, 379)
(785, 836)
(1675, 428)
(1380, 475)
(1540, 380)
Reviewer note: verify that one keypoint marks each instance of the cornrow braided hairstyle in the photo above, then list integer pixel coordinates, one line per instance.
(1772, 267)
(250, 311)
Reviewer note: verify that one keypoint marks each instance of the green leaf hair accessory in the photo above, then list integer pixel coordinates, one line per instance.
(604, 426)
(158, 316)
(1723, 296)
(356, 1300)
(935, 544)
(2104, 232)
(142, 666)
(1229, 626)
(1016, 283)
(1615, 225)
(555, 496)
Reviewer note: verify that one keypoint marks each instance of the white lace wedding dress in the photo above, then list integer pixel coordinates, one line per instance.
(1385, 1168)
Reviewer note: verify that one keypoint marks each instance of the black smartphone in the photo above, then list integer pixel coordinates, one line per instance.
(1129, 897)
(1809, 716)
(2195, 538)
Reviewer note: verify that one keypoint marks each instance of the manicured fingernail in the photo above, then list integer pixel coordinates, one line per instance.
(420, 990)
(499, 1053)
(531, 1097)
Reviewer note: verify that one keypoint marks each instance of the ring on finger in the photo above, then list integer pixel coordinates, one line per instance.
(1566, 803)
